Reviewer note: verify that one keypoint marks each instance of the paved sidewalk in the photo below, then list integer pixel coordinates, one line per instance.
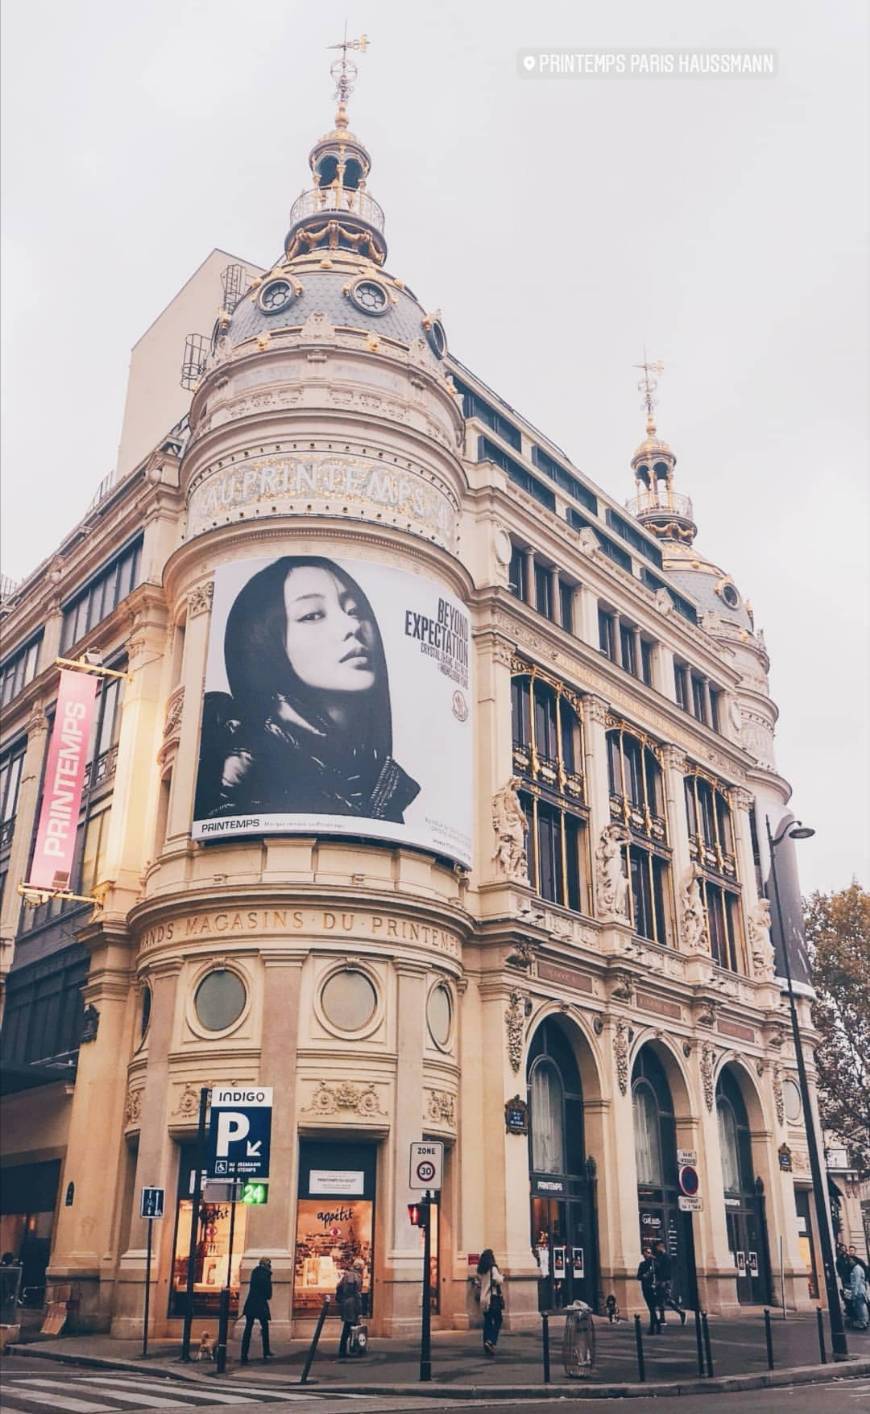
(459, 1365)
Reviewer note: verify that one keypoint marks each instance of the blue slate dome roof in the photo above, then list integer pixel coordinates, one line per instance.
(323, 291)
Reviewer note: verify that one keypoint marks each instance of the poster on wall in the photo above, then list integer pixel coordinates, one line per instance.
(330, 1236)
(337, 702)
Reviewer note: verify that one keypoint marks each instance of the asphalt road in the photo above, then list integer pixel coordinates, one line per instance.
(34, 1386)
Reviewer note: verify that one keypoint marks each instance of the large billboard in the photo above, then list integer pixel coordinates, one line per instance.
(337, 702)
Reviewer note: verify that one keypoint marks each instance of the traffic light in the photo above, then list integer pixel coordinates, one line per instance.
(254, 1194)
(418, 1213)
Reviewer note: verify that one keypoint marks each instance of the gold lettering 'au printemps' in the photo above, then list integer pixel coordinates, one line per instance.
(233, 923)
(282, 484)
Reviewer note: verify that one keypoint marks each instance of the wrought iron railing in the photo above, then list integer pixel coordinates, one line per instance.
(638, 818)
(337, 199)
(713, 857)
(661, 502)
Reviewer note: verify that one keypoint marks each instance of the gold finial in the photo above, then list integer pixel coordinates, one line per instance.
(648, 385)
(345, 73)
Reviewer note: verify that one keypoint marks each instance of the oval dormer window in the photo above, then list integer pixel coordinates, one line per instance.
(275, 296)
(370, 297)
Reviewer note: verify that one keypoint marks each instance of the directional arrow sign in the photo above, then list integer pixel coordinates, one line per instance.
(240, 1130)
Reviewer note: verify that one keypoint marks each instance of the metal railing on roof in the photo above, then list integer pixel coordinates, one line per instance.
(337, 199)
(660, 502)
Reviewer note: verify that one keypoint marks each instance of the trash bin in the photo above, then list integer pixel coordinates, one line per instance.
(578, 1342)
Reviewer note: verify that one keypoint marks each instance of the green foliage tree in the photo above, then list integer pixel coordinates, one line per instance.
(837, 929)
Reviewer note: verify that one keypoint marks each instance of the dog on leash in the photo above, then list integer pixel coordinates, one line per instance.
(611, 1306)
(205, 1350)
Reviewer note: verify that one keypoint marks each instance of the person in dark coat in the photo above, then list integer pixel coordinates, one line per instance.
(646, 1275)
(348, 1297)
(664, 1294)
(256, 1308)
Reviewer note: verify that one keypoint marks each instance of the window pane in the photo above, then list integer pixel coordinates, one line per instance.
(550, 853)
(348, 1000)
(627, 649)
(570, 731)
(517, 573)
(646, 661)
(548, 1153)
(566, 611)
(631, 751)
(520, 711)
(647, 1140)
(716, 922)
(614, 766)
(545, 722)
(220, 999)
(543, 591)
(728, 1147)
(698, 703)
(573, 847)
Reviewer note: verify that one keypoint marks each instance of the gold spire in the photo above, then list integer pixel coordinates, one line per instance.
(648, 385)
(346, 73)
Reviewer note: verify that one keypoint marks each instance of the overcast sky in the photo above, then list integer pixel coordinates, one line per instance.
(558, 224)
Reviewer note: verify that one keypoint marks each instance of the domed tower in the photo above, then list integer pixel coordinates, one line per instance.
(303, 921)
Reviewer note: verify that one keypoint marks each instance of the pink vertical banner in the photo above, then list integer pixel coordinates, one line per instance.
(64, 781)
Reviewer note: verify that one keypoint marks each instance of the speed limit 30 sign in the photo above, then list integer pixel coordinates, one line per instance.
(427, 1165)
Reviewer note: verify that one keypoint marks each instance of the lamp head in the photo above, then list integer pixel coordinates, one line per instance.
(801, 832)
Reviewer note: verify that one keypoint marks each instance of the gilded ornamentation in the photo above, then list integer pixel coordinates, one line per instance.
(360, 1099)
(441, 1107)
(596, 709)
(694, 919)
(778, 1098)
(611, 885)
(199, 599)
(509, 824)
(708, 1058)
(133, 1109)
(760, 946)
(518, 1008)
(620, 1053)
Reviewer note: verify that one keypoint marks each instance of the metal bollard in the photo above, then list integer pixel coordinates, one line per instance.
(638, 1340)
(708, 1350)
(768, 1337)
(823, 1354)
(699, 1343)
(312, 1349)
(545, 1334)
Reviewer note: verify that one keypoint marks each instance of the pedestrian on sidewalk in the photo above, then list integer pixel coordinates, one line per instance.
(256, 1308)
(348, 1297)
(491, 1299)
(664, 1292)
(646, 1275)
(857, 1291)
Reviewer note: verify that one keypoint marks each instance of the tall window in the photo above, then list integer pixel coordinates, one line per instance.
(548, 758)
(607, 634)
(655, 1144)
(636, 801)
(696, 694)
(517, 580)
(18, 669)
(93, 824)
(548, 1148)
(735, 1140)
(11, 765)
(711, 846)
(623, 643)
(43, 1015)
(555, 1103)
(101, 595)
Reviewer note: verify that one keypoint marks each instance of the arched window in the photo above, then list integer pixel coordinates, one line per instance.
(711, 846)
(548, 1149)
(636, 801)
(548, 756)
(647, 1139)
(728, 1146)
(735, 1140)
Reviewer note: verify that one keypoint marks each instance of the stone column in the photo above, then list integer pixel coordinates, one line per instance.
(667, 684)
(25, 821)
(675, 766)
(404, 1263)
(595, 711)
(716, 1287)
(586, 615)
(269, 1231)
(84, 1239)
(619, 1223)
(192, 677)
(155, 1163)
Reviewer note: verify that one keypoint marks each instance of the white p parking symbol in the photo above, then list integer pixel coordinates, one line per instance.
(231, 1128)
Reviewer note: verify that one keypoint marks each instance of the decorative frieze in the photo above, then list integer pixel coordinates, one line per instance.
(199, 599)
(133, 1108)
(440, 1108)
(345, 1098)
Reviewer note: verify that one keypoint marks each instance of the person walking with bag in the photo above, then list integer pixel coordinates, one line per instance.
(348, 1296)
(664, 1294)
(256, 1308)
(646, 1275)
(491, 1299)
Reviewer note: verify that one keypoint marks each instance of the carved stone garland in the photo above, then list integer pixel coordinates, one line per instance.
(708, 1059)
(620, 1053)
(518, 1008)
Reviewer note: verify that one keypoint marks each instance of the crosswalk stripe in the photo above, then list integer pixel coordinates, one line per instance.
(57, 1401)
(183, 1392)
(132, 1397)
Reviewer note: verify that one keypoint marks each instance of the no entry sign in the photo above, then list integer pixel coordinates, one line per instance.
(427, 1165)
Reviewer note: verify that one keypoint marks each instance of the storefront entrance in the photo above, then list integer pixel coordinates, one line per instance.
(335, 1222)
(563, 1224)
(655, 1149)
(212, 1245)
(28, 1196)
(744, 1198)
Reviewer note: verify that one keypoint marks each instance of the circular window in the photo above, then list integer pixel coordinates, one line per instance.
(728, 592)
(348, 1000)
(437, 339)
(792, 1100)
(439, 1014)
(220, 999)
(275, 296)
(370, 297)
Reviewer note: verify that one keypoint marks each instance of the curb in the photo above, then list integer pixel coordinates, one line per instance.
(720, 1384)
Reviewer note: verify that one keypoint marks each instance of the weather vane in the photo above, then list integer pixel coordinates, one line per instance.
(649, 382)
(344, 70)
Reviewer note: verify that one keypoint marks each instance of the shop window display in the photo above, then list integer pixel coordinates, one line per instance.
(212, 1249)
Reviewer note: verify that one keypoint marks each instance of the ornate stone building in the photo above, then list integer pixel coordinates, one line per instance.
(589, 961)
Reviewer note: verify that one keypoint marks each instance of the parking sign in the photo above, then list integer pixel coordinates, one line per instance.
(240, 1132)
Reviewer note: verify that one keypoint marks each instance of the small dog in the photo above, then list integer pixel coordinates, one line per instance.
(611, 1306)
(206, 1348)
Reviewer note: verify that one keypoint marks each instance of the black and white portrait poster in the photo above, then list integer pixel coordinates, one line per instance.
(337, 701)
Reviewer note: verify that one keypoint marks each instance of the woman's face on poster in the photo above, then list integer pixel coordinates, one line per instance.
(329, 642)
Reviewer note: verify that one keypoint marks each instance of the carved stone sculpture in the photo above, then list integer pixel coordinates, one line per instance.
(694, 920)
(509, 824)
(518, 1008)
(778, 1097)
(522, 955)
(610, 881)
(760, 946)
(620, 1055)
(708, 1057)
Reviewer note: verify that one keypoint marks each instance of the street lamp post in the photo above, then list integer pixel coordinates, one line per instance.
(796, 831)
